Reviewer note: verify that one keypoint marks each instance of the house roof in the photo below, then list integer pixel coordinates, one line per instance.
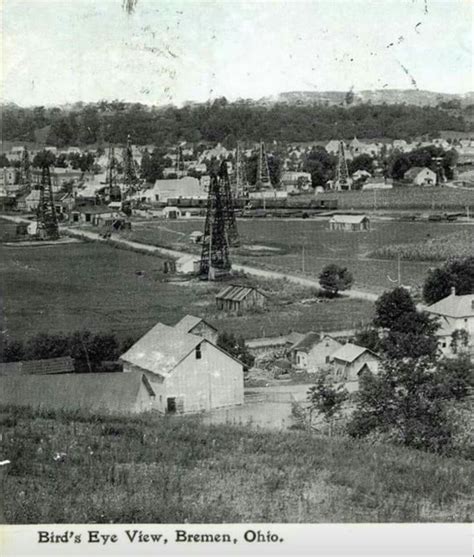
(235, 293)
(307, 342)
(161, 349)
(113, 392)
(38, 367)
(349, 219)
(414, 171)
(454, 306)
(188, 322)
(350, 352)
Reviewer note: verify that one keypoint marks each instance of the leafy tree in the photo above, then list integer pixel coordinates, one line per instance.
(44, 158)
(327, 399)
(334, 278)
(321, 165)
(4, 162)
(459, 341)
(361, 162)
(409, 400)
(236, 347)
(407, 331)
(368, 337)
(12, 351)
(457, 273)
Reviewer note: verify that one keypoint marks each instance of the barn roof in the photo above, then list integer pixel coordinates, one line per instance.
(188, 322)
(161, 349)
(413, 172)
(350, 352)
(236, 293)
(307, 342)
(349, 219)
(113, 392)
(38, 367)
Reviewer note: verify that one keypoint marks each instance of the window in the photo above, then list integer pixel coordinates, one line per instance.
(198, 352)
(327, 359)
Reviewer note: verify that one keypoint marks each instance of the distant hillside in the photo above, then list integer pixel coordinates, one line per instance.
(414, 97)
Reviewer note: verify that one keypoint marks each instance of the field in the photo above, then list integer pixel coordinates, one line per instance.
(158, 470)
(308, 244)
(456, 244)
(93, 286)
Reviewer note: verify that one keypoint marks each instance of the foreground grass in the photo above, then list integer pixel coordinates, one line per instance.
(157, 470)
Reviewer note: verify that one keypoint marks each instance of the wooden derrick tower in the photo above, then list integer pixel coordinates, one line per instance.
(239, 175)
(215, 262)
(47, 222)
(129, 169)
(25, 168)
(229, 209)
(263, 171)
(342, 180)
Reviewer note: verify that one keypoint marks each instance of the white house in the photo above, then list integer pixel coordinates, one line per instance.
(187, 187)
(313, 351)
(454, 313)
(350, 362)
(420, 176)
(186, 372)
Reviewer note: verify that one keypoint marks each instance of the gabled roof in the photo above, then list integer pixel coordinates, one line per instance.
(454, 306)
(236, 293)
(307, 342)
(349, 219)
(161, 349)
(113, 392)
(414, 171)
(38, 367)
(350, 352)
(188, 322)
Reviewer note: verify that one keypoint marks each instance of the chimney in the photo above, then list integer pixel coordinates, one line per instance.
(453, 291)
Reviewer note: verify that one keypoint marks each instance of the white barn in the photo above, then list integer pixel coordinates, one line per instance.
(187, 372)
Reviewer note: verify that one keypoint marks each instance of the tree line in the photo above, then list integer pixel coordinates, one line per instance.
(220, 121)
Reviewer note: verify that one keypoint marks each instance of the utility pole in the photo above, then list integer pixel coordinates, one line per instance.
(302, 259)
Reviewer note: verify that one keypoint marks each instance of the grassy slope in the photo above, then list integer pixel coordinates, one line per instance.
(154, 470)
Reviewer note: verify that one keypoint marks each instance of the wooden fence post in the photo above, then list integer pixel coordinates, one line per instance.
(3, 472)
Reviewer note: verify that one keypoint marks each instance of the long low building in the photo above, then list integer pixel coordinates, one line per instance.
(100, 393)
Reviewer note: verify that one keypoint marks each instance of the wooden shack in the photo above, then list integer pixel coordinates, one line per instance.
(237, 298)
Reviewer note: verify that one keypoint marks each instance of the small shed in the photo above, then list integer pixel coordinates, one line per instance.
(349, 223)
(237, 298)
(171, 213)
(188, 264)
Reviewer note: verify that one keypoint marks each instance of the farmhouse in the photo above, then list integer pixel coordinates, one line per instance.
(350, 361)
(240, 298)
(51, 366)
(420, 176)
(313, 351)
(197, 326)
(454, 313)
(117, 393)
(186, 371)
(349, 223)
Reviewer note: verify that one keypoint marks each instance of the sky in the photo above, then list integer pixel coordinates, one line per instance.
(64, 51)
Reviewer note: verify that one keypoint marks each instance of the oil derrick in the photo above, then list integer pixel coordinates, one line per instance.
(263, 171)
(230, 223)
(215, 262)
(129, 169)
(114, 190)
(342, 181)
(25, 168)
(179, 162)
(239, 174)
(47, 222)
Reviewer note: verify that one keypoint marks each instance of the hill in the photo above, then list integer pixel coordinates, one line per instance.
(174, 470)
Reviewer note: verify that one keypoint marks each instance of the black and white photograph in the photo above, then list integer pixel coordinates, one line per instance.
(236, 268)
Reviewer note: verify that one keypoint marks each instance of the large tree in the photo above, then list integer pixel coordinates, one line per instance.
(334, 278)
(457, 273)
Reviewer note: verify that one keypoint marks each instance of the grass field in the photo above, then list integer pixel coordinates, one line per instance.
(158, 470)
(60, 289)
(309, 243)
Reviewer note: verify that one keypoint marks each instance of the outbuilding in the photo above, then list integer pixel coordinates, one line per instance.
(237, 298)
(349, 223)
(351, 361)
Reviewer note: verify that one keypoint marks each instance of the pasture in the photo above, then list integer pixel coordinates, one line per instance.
(64, 288)
(152, 469)
(306, 246)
